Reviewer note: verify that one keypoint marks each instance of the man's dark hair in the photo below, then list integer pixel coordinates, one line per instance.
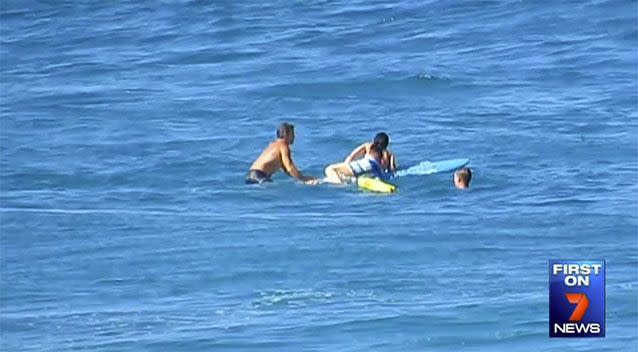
(285, 129)
(465, 174)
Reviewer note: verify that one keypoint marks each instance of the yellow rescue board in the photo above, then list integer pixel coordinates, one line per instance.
(375, 185)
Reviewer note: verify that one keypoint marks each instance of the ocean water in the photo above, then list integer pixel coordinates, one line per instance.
(127, 128)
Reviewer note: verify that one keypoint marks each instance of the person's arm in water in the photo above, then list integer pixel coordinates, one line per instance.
(392, 166)
(389, 166)
(289, 166)
(357, 153)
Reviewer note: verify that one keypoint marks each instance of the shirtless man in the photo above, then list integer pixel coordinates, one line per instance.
(278, 156)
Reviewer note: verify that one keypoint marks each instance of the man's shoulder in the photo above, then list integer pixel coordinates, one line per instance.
(276, 143)
(280, 144)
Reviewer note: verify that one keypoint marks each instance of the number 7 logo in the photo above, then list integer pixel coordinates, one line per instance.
(582, 303)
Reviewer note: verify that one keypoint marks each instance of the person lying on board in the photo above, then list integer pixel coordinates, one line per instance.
(368, 158)
(462, 178)
(278, 156)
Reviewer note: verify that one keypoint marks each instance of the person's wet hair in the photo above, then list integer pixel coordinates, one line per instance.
(380, 142)
(465, 175)
(285, 129)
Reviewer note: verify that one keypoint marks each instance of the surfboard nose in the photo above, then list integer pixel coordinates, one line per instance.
(375, 185)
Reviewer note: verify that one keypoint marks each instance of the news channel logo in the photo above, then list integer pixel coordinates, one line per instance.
(576, 298)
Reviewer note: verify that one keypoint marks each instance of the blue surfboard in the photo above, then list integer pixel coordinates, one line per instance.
(433, 167)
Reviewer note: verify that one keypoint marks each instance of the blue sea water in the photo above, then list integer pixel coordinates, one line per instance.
(127, 128)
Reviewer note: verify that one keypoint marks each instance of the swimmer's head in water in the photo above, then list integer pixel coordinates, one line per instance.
(462, 178)
(381, 141)
(287, 132)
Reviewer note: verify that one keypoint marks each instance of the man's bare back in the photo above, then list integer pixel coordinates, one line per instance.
(270, 159)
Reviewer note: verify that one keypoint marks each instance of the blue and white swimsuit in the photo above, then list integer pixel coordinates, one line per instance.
(367, 165)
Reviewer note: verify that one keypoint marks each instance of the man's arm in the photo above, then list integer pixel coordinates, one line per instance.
(357, 153)
(289, 166)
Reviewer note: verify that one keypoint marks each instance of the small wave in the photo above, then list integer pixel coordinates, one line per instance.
(178, 212)
(410, 85)
(292, 297)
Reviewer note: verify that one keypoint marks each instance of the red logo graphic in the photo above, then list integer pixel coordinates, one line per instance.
(582, 303)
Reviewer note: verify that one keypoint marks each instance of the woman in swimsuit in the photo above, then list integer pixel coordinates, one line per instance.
(373, 158)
